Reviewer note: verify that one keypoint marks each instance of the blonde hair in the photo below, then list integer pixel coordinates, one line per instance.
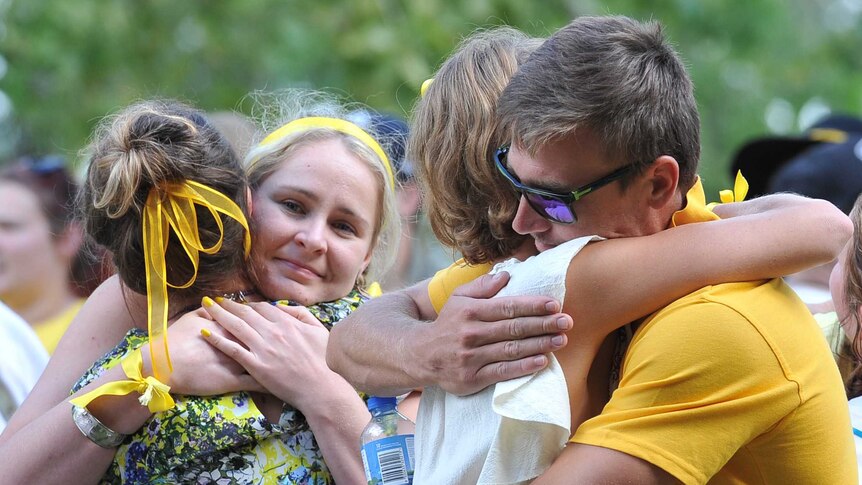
(263, 159)
(146, 147)
(455, 132)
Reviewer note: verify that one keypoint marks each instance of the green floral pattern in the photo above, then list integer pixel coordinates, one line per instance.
(220, 439)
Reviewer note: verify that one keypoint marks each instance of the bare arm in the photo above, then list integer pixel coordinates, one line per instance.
(98, 326)
(620, 280)
(597, 465)
(388, 346)
(42, 430)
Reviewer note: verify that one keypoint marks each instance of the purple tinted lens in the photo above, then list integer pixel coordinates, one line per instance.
(553, 209)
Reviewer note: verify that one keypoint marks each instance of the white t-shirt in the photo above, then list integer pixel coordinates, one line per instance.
(22, 360)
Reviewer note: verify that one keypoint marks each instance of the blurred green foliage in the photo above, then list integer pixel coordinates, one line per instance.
(70, 62)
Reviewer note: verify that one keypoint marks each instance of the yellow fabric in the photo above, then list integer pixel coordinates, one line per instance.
(445, 281)
(172, 207)
(154, 394)
(715, 385)
(740, 190)
(343, 126)
(51, 330)
(731, 384)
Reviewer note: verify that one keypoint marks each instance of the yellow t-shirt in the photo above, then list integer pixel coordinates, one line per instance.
(731, 384)
(445, 281)
(49, 331)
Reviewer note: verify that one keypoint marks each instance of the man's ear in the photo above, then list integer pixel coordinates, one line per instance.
(663, 181)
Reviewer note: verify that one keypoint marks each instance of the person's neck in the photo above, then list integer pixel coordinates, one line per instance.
(42, 304)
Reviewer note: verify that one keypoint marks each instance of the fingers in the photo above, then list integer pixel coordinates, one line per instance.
(238, 319)
(512, 307)
(483, 287)
(516, 350)
(502, 371)
(228, 347)
(515, 329)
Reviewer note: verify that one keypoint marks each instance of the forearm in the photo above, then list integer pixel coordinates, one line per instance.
(337, 422)
(51, 448)
(828, 227)
(373, 347)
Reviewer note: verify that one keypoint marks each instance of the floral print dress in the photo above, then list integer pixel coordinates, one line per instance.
(220, 439)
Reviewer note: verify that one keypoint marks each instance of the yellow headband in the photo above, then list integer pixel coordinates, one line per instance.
(343, 126)
(177, 213)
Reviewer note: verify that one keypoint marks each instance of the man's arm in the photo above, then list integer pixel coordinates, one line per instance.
(390, 345)
(594, 464)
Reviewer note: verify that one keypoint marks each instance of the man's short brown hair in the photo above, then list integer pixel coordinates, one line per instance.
(616, 76)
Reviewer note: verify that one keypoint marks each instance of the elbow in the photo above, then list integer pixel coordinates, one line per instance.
(838, 229)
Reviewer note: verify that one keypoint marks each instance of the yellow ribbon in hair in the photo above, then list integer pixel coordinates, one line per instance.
(343, 126)
(172, 207)
(154, 394)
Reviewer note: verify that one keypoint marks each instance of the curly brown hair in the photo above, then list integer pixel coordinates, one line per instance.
(455, 132)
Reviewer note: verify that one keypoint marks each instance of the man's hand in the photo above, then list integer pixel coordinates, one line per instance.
(477, 341)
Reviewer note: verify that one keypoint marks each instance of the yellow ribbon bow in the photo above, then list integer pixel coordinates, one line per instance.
(740, 190)
(172, 207)
(697, 210)
(154, 394)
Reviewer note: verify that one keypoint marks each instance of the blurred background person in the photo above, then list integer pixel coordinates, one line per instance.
(22, 360)
(419, 253)
(46, 270)
(825, 162)
(237, 128)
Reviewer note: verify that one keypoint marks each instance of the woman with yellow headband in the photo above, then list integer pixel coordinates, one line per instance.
(163, 182)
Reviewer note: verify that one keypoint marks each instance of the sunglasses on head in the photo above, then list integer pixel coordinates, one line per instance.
(554, 206)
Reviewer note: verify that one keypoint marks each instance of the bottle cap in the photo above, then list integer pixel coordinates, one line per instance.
(378, 402)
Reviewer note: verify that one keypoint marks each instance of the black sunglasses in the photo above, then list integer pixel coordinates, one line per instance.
(554, 206)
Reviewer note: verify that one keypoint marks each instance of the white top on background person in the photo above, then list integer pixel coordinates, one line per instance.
(22, 359)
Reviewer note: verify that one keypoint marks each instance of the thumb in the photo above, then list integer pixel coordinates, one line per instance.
(483, 287)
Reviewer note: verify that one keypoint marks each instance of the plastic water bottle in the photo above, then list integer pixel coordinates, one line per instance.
(387, 444)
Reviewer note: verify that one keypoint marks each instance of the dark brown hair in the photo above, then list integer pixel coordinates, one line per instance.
(616, 76)
(454, 135)
(141, 149)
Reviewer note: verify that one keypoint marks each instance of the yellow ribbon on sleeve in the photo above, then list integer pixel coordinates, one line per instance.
(154, 394)
(697, 210)
(172, 207)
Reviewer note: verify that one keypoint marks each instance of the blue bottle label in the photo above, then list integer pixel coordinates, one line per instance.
(389, 461)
